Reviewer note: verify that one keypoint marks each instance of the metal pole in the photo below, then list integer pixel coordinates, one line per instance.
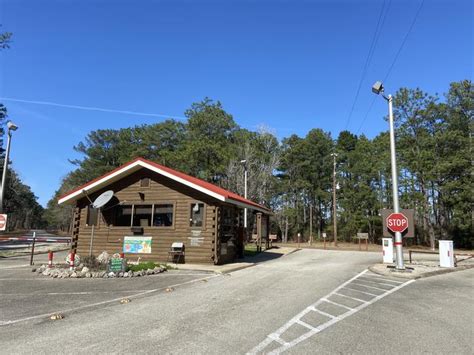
(245, 195)
(33, 248)
(5, 167)
(310, 224)
(92, 240)
(334, 209)
(396, 207)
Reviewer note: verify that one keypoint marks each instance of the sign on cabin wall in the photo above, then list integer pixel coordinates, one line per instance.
(196, 242)
(137, 245)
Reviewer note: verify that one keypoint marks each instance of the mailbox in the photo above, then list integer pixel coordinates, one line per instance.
(446, 253)
(387, 250)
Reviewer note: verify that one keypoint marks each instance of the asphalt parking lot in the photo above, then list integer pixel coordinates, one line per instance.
(28, 296)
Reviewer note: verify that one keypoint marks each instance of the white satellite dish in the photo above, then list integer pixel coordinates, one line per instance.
(103, 199)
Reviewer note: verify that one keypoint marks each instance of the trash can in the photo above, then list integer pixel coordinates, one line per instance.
(387, 250)
(446, 253)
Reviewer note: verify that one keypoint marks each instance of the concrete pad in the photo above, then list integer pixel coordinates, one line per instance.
(246, 262)
(416, 271)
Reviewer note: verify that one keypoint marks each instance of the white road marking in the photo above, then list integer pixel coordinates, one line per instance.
(44, 315)
(367, 279)
(337, 304)
(375, 288)
(384, 278)
(276, 336)
(356, 290)
(352, 298)
(71, 293)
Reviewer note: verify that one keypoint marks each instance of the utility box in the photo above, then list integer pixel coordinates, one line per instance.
(446, 253)
(387, 249)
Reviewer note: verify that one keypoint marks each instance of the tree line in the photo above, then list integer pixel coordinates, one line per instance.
(294, 175)
(20, 203)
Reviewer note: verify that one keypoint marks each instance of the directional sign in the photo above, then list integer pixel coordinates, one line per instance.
(3, 222)
(397, 222)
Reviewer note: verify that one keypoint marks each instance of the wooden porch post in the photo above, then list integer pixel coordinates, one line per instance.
(259, 231)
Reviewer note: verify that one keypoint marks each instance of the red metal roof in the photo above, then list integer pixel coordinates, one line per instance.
(193, 180)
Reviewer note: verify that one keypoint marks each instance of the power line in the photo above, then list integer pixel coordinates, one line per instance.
(394, 60)
(373, 44)
(89, 108)
(404, 40)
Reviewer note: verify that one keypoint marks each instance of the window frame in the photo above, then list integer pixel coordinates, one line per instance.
(173, 225)
(203, 217)
(152, 204)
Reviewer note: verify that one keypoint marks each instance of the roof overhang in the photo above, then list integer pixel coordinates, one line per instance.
(133, 166)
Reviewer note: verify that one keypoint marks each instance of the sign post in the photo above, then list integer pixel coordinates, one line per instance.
(3, 222)
(398, 223)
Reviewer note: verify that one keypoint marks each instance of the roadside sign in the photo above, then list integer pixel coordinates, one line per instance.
(3, 222)
(407, 233)
(397, 222)
(116, 265)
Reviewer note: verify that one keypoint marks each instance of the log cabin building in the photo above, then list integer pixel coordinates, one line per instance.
(153, 207)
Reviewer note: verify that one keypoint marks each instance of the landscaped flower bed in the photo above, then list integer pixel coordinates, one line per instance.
(97, 267)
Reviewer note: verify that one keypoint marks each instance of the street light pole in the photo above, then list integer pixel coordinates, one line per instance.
(379, 89)
(11, 127)
(334, 208)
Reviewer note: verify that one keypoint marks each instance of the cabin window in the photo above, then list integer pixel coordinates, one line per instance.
(145, 182)
(123, 215)
(163, 215)
(142, 215)
(92, 214)
(197, 215)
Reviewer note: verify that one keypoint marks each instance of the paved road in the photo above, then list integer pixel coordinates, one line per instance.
(43, 238)
(237, 313)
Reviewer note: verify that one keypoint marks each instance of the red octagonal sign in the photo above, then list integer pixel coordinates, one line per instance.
(397, 222)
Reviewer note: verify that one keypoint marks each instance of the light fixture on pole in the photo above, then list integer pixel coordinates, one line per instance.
(334, 208)
(378, 89)
(244, 162)
(11, 127)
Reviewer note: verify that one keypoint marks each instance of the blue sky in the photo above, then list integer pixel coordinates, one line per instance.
(289, 65)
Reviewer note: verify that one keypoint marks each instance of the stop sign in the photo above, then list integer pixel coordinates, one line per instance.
(397, 222)
(3, 222)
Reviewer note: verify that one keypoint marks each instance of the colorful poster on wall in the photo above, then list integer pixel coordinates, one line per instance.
(137, 245)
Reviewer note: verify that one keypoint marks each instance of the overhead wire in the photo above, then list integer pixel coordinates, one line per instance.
(394, 61)
(368, 60)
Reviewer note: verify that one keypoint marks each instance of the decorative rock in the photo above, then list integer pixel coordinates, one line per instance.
(74, 275)
(81, 265)
(125, 274)
(137, 273)
(85, 270)
(46, 272)
(111, 274)
(88, 274)
(103, 258)
(33, 270)
(102, 274)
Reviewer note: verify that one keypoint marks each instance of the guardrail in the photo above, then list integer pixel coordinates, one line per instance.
(41, 239)
(410, 252)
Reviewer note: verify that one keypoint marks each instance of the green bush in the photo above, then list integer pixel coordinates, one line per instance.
(92, 263)
(147, 265)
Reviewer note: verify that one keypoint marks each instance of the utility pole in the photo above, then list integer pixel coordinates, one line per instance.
(334, 208)
(310, 224)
